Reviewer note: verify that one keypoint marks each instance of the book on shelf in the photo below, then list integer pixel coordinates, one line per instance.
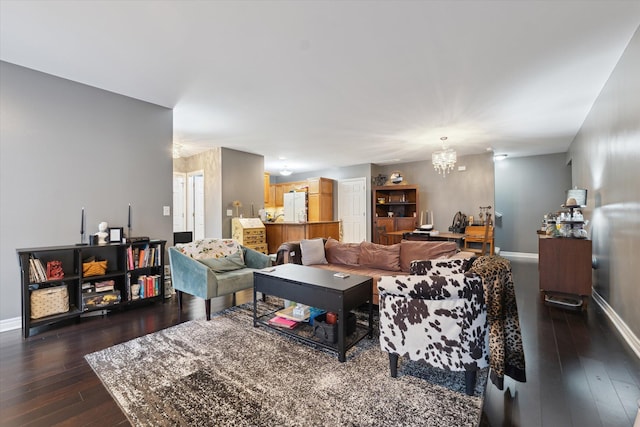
(144, 256)
(149, 285)
(281, 322)
(37, 272)
(140, 258)
(127, 285)
(130, 263)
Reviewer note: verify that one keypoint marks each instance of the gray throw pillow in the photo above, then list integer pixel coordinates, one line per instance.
(231, 262)
(312, 251)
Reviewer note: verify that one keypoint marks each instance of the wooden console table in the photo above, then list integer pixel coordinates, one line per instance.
(564, 265)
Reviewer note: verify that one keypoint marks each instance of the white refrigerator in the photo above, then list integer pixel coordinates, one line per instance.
(295, 206)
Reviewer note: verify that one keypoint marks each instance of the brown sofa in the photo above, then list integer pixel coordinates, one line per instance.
(371, 259)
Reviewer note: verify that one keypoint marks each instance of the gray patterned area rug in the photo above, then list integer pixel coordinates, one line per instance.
(225, 372)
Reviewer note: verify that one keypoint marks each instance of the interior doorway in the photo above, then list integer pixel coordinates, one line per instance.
(195, 204)
(352, 209)
(179, 202)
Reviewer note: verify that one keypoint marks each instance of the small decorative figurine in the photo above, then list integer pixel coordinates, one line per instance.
(102, 233)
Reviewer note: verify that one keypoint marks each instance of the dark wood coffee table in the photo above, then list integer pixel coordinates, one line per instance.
(321, 289)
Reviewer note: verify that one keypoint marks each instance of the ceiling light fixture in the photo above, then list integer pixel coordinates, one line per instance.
(285, 171)
(499, 157)
(445, 159)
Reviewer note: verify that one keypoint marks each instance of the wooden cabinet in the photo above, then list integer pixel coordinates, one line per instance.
(112, 284)
(320, 199)
(250, 232)
(319, 196)
(324, 229)
(278, 190)
(279, 233)
(320, 207)
(396, 208)
(564, 266)
(267, 189)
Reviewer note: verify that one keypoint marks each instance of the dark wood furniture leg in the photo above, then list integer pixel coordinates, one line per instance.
(179, 295)
(207, 308)
(470, 381)
(393, 364)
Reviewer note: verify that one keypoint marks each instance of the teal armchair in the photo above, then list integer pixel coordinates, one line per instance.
(194, 277)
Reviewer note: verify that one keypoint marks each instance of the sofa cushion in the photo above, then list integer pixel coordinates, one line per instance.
(312, 251)
(231, 262)
(341, 253)
(384, 257)
(411, 250)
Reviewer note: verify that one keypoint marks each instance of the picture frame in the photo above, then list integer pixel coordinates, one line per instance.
(116, 234)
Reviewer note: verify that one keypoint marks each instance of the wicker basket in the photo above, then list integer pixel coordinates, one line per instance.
(94, 268)
(49, 301)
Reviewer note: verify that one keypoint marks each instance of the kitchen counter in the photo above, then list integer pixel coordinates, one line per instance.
(280, 232)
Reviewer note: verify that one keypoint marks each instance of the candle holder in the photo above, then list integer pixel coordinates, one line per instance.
(82, 243)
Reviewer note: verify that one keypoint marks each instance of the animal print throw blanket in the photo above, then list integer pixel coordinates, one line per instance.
(506, 355)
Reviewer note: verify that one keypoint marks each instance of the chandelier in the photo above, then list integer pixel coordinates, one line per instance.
(444, 160)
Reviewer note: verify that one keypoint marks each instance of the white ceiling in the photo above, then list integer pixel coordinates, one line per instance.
(336, 83)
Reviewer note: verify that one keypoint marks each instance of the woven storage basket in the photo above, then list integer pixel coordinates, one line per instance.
(49, 301)
(94, 268)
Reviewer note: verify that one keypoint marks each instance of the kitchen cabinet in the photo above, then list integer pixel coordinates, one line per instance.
(267, 189)
(319, 196)
(281, 232)
(320, 199)
(279, 195)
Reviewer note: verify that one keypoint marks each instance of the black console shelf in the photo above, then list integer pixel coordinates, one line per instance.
(122, 271)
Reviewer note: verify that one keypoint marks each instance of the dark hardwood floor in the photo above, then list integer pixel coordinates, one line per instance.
(580, 372)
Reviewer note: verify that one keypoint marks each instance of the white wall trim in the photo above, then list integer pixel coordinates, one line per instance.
(622, 327)
(519, 255)
(10, 324)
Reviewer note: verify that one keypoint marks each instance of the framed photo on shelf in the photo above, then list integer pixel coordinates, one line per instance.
(116, 234)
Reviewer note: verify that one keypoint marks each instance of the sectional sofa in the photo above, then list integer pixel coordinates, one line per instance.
(366, 258)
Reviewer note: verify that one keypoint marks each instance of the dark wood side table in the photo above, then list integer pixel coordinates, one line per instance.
(564, 265)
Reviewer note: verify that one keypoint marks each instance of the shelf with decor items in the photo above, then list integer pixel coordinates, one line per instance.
(59, 283)
(395, 208)
(564, 262)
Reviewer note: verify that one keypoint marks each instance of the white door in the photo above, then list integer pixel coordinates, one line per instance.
(179, 201)
(352, 209)
(195, 204)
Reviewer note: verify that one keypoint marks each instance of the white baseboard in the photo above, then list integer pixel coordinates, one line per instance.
(519, 255)
(10, 324)
(622, 327)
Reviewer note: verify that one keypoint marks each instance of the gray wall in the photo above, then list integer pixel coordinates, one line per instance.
(605, 157)
(462, 191)
(64, 146)
(526, 189)
(243, 180)
(228, 175)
